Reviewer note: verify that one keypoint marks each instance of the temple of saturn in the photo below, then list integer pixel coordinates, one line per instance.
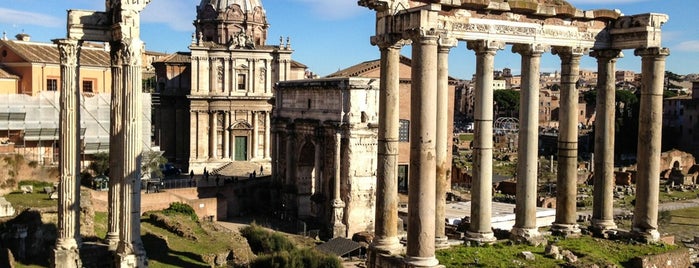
(532, 27)
(119, 25)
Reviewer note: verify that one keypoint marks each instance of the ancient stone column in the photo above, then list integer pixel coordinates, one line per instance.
(130, 252)
(339, 229)
(645, 217)
(480, 228)
(268, 140)
(213, 133)
(423, 130)
(566, 183)
(525, 228)
(116, 175)
(603, 163)
(385, 225)
(66, 252)
(441, 144)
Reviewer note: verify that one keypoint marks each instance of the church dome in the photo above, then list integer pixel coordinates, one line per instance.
(226, 21)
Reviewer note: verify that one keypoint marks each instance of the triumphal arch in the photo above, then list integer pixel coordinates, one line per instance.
(532, 27)
(119, 25)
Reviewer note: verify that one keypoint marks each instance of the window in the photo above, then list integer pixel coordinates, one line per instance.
(51, 85)
(87, 86)
(241, 82)
(403, 178)
(404, 131)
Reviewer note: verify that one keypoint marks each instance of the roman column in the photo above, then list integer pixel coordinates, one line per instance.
(566, 183)
(130, 252)
(525, 228)
(603, 193)
(213, 127)
(442, 141)
(423, 130)
(385, 225)
(339, 229)
(116, 175)
(66, 253)
(645, 217)
(480, 228)
(268, 131)
(225, 136)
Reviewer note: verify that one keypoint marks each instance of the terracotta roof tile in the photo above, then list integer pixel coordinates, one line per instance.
(177, 57)
(48, 53)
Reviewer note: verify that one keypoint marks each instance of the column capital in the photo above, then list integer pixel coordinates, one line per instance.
(535, 50)
(568, 54)
(131, 52)
(485, 46)
(385, 41)
(446, 43)
(68, 50)
(422, 35)
(608, 54)
(652, 52)
(115, 50)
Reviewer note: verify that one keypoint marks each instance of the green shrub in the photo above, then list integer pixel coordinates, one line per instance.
(38, 185)
(304, 258)
(181, 208)
(262, 241)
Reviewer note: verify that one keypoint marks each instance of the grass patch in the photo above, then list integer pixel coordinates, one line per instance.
(100, 222)
(683, 223)
(30, 200)
(466, 137)
(675, 195)
(589, 250)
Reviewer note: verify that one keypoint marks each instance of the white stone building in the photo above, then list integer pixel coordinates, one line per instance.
(215, 101)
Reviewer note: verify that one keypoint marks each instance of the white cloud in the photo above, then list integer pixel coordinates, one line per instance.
(177, 14)
(333, 9)
(16, 17)
(688, 46)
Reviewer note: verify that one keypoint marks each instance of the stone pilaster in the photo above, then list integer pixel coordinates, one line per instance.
(268, 139)
(225, 135)
(385, 224)
(442, 149)
(66, 252)
(423, 130)
(213, 134)
(566, 183)
(480, 229)
(645, 217)
(254, 145)
(603, 194)
(525, 228)
(339, 229)
(116, 175)
(130, 252)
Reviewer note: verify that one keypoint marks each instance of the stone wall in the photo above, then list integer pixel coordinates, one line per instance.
(671, 259)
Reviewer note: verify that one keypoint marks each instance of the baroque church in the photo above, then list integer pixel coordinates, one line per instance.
(215, 102)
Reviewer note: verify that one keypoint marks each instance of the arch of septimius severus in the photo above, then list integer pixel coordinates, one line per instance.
(120, 26)
(532, 27)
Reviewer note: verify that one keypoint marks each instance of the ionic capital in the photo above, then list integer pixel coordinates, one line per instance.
(485, 46)
(68, 50)
(532, 50)
(570, 54)
(607, 54)
(422, 36)
(656, 52)
(385, 41)
(446, 43)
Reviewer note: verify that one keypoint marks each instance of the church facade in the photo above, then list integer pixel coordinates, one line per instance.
(215, 101)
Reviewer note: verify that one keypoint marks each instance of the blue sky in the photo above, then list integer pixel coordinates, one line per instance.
(328, 35)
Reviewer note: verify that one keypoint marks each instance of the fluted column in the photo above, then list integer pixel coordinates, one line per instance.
(225, 135)
(423, 130)
(603, 194)
(130, 251)
(645, 217)
(566, 183)
(339, 229)
(66, 251)
(385, 224)
(268, 131)
(480, 229)
(213, 133)
(116, 175)
(525, 228)
(442, 139)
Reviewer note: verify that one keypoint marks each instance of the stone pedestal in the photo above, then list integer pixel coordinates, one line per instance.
(66, 258)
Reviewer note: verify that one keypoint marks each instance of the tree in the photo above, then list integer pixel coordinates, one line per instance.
(671, 79)
(151, 163)
(507, 101)
(100, 163)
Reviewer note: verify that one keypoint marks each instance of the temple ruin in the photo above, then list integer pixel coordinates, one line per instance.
(532, 27)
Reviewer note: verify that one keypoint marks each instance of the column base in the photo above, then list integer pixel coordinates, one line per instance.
(441, 242)
(339, 230)
(112, 241)
(563, 229)
(66, 258)
(602, 227)
(647, 235)
(529, 236)
(389, 246)
(422, 262)
(480, 238)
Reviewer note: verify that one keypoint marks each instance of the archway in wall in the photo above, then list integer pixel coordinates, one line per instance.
(241, 132)
(304, 178)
